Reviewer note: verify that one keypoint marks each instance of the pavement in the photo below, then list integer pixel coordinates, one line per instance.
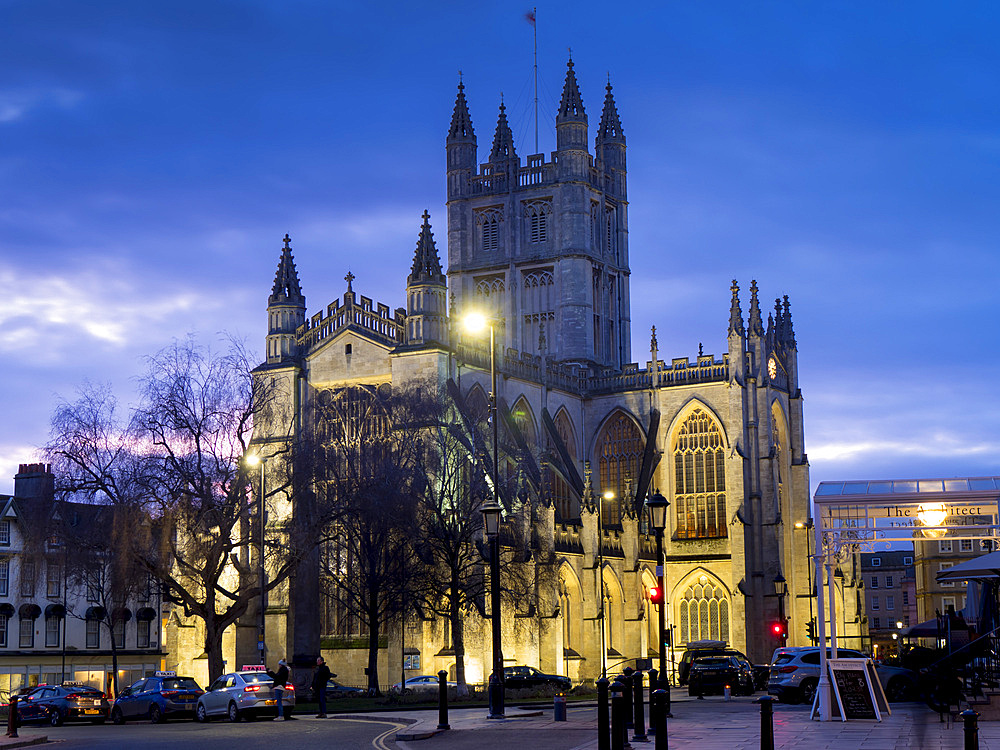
(709, 724)
(22, 740)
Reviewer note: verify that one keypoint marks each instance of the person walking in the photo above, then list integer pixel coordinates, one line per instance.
(320, 677)
(280, 679)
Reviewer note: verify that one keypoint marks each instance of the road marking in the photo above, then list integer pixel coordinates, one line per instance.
(379, 742)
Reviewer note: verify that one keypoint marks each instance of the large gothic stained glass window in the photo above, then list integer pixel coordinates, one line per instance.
(619, 451)
(699, 478)
(704, 612)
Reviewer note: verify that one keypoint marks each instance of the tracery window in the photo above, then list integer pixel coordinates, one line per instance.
(699, 478)
(565, 504)
(490, 291)
(537, 214)
(704, 612)
(619, 451)
(488, 220)
(537, 307)
(612, 228)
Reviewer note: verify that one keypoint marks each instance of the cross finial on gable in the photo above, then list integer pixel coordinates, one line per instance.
(349, 278)
(287, 241)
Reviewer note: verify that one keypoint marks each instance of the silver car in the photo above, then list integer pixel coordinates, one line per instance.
(243, 694)
(795, 675)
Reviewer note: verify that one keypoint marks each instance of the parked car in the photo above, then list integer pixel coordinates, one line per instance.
(518, 678)
(710, 674)
(335, 690)
(795, 675)
(696, 649)
(425, 683)
(243, 694)
(158, 698)
(71, 701)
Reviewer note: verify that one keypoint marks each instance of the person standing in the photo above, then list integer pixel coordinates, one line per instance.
(280, 679)
(320, 677)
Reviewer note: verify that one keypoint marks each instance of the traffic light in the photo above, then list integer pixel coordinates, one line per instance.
(655, 595)
(811, 630)
(779, 628)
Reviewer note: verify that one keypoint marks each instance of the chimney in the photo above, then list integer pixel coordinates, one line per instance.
(34, 481)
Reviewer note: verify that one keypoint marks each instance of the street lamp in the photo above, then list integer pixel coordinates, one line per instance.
(491, 520)
(255, 459)
(656, 505)
(608, 495)
(474, 323)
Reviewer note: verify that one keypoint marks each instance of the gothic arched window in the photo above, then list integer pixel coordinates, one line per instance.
(537, 307)
(488, 220)
(566, 506)
(536, 214)
(704, 612)
(699, 478)
(619, 452)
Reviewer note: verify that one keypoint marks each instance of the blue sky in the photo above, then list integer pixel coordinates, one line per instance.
(152, 155)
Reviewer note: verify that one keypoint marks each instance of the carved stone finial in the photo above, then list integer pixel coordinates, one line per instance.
(350, 277)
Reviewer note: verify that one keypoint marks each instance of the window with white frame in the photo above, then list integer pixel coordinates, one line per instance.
(906, 598)
(4, 533)
(965, 545)
(946, 602)
(52, 630)
(875, 605)
(874, 582)
(876, 562)
(53, 579)
(3, 630)
(27, 578)
(890, 602)
(944, 545)
(93, 633)
(27, 633)
(93, 585)
(118, 633)
(907, 561)
(945, 566)
(142, 634)
(876, 623)
(4, 576)
(888, 581)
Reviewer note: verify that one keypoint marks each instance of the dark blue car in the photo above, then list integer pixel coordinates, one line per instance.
(158, 698)
(67, 702)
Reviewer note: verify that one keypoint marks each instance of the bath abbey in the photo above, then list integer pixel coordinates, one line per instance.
(540, 245)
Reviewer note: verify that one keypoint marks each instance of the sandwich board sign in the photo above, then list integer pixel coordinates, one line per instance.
(856, 691)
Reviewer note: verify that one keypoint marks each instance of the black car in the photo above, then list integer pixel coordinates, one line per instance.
(711, 674)
(335, 690)
(698, 649)
(518, 678)
(67, 702)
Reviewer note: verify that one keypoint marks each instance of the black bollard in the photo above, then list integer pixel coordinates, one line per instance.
(639, 720)
(766, 722)
(971, 729)
(652, 705)
(12, 717)
(627, 696)
(657, 697)
(617, 725)
(603, 722)
(443, 700)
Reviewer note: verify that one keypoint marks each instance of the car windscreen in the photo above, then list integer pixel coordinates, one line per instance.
(256, 678)
(180, 683)
(711, 662)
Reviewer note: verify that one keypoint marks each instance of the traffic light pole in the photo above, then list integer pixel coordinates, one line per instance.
(664, 676)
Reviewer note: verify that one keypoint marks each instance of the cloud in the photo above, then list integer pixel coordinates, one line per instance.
(15, 105)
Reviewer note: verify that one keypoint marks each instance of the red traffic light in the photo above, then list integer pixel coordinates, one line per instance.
(779, 628)
(655, 595)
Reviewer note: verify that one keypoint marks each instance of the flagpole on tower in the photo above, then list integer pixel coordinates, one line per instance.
(534, 29)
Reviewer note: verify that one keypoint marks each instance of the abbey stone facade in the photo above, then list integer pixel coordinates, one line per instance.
(542, 245)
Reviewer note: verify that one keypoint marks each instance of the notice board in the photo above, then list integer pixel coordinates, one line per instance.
(856, 692)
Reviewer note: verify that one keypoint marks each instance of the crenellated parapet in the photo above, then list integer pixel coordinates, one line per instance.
(374, 320)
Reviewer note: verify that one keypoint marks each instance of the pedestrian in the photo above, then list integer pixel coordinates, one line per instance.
(280, 679)
(320, 677)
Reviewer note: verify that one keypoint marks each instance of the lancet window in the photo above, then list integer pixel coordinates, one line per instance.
(699, 478)
(619, 451)
(703, 612)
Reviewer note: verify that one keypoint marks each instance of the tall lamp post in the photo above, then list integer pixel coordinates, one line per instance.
(656, 506)
(608, 495)
(475, 322)
(491, 520)
(255, 459)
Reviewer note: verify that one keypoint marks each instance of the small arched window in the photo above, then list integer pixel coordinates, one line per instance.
(704, 612)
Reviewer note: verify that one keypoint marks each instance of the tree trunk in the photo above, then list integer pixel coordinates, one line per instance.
(458, 643)
(373, 630)
(213, 648)
(114, 662)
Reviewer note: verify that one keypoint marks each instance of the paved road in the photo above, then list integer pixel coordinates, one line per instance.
(346, 734)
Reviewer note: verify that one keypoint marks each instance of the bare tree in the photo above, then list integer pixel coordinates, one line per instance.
(177, 458)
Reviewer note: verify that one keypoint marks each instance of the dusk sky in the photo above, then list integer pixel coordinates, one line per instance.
(153, 155)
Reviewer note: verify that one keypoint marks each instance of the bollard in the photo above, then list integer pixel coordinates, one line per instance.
(627, 697)
(603, 722)
(658, 697)
(766, 722)
(12, 717)
(617, 725)
(443, 700)
(727, 693)
(559, 707)
(971, 729)
(639, 720)
(652, 705)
